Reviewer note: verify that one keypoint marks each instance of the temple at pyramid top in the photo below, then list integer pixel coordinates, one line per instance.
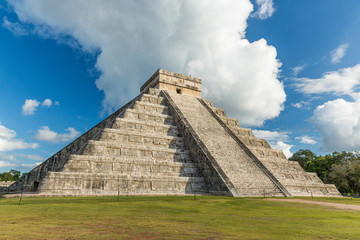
(173, 82)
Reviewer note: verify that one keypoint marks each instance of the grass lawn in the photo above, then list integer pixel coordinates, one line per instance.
(173, 218)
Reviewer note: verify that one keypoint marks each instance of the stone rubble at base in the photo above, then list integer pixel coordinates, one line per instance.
(169, 141)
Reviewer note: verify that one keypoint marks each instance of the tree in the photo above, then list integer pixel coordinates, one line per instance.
(346, 176)
(12, 175)
(303, 156)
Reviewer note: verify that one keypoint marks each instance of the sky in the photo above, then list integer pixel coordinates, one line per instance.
(289, 70)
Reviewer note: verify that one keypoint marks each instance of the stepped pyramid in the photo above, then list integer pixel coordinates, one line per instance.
(170, 141)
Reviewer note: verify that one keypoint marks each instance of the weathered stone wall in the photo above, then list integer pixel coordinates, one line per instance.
(31, 181)
(289, 174)
(4, 186)
(173, 82)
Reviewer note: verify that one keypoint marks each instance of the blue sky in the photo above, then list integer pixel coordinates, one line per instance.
(286, 69)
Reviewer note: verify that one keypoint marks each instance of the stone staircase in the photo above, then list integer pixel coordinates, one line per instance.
(141, 153)
(290, 174)
(247, 178)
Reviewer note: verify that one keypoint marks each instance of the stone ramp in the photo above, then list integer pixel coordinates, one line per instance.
(243, 173)
(290, 174)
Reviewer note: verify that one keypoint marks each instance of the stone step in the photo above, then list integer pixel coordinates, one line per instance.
(117, 149)
(154, 91)
(151, 107)
(130, 159)
(104, 183)
(230, 121)
(271, 159)
(263, 151)
(259, 192)
(143, 126)
(279, 166)
(152, 99)
(131, 167)
(316, 191)
(144, 138)
(148, 117)
(242, 132)
(296, 176)
(219, 111)
(255, 142)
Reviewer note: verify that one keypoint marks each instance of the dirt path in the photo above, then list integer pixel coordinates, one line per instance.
(325, 204)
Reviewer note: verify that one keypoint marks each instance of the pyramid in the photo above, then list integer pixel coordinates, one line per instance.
(170, 141)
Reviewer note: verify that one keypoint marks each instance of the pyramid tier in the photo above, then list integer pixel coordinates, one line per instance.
(69, 183)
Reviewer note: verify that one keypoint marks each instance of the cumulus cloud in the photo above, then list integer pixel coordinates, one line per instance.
(202, 38)
(306, 140)
(271, 135)
(47, 103)
(338, 53)
(338, 122)
(286, 148)
(298, 69)
(7, 157)
(30, 106)
(343, 81)
(8, 141)
(276, 140)
(6, 164)
(265, 9)
(301, 104)
(47, 135)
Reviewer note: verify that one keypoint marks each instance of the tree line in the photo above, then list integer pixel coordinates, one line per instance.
(339, 168)
(12, 175)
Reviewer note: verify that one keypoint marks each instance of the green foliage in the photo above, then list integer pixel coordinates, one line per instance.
(12, 175)
(339, 168)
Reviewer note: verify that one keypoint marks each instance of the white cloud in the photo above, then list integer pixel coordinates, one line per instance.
(338, 123)
(298, 69)
(286, 148)
(343, 81)
(301, 104)
(8, 141)
(30, 165)
(276, 140)
(265, 9)
(306, 140)
(47, 135)
(206, 40)
(338, 53)
(14, 27)
(47, 103)
(271, 135)
(7, 157)
(30, 106)
(30, 156)
(6, 164)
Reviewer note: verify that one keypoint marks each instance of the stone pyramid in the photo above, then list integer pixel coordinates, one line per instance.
(170, 141)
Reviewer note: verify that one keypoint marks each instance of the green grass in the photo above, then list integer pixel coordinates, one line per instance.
(173, 218)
